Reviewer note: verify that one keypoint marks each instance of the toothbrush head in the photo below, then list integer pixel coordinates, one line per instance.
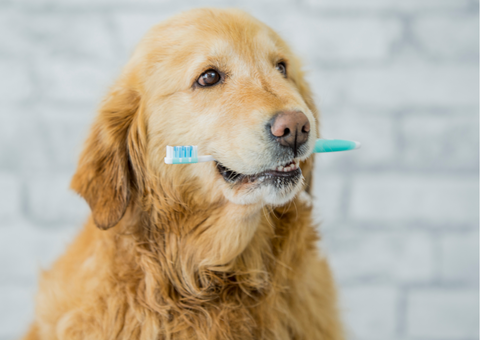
(181, 154)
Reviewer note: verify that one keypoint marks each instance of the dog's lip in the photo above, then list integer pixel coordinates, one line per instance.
(288, 170)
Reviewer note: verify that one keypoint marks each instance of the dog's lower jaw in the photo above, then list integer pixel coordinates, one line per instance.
(263, 195)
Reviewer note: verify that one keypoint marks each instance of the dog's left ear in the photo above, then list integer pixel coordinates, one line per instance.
(104, 175)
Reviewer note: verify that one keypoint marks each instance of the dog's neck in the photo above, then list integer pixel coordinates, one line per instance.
(181, 262)
(200, 250)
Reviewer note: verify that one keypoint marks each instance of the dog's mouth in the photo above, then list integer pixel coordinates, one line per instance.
(288, 173)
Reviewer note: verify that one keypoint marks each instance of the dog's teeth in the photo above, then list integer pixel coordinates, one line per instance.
(293, 165)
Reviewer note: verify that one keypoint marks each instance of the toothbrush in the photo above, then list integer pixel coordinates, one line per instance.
(189, 154)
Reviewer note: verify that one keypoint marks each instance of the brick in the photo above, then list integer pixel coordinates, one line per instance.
(83, 35)
(338, 39)
(327, 197)
(396, 87)
(131, 27)
(64, 135)
(331, 40)
(263, 8)
(406, 5)
(21, 264)
(9, 132)
(91, 4)
(15, 82)
(401, 257)
(459, 258)
(48, 138)
(14, 40)
(442, 314)
(20, 268)
(51, 201)
(16, 310)
(376, 132)
(452, 37)
(406, 85)
(10, 196)
(74, 80)
(370, 312)
(329, 86)
(433, 141)
(22, 146)
(438, 200)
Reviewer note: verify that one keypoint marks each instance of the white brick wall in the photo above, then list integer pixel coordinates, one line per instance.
(458, 266)
(437, 199)
(371, 311)
(399, 217)
(390, 5)
(443, 37)
(15, 307)
(430, 144)
(49, 200)
(442, 314)
(382, 256)
(15, 83)
(403, 85)
(338, 40)
(10, 196)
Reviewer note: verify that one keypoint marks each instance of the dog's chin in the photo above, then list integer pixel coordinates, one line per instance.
(274, 187)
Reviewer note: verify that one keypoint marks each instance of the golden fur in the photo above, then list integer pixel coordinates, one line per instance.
(186, 255)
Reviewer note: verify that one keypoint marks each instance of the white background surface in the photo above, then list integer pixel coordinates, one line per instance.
(400, 216)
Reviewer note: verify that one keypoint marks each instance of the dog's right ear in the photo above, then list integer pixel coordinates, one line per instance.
(104, 174)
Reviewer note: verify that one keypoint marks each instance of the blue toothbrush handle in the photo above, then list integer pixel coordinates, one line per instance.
(332, 145)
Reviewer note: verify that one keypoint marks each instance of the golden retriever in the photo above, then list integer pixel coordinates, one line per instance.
(215, 250)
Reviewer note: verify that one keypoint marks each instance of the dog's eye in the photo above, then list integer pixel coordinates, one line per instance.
(209, 78)
(282, 68)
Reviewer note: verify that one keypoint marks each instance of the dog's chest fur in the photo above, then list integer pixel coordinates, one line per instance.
(120, 284)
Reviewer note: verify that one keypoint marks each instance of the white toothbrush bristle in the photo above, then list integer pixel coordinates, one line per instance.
(186, 151)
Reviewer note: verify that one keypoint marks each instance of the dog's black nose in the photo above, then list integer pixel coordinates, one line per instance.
(290, 129)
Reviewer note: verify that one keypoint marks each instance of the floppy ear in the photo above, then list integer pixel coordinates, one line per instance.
(306, 93)
(104, 174)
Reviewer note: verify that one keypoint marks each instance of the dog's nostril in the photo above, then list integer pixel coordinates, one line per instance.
(289, 123)
(291, 128)
(306, 128)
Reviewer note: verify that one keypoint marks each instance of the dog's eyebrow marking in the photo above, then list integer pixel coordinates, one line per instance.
(267, 88)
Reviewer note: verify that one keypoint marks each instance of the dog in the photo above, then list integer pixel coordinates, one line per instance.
(215, 250)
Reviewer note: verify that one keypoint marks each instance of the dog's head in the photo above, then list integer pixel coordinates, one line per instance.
(218, 79)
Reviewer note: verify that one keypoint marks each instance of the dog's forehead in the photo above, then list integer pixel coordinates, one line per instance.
(251, 50)
(215, 33)
(231, 41)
